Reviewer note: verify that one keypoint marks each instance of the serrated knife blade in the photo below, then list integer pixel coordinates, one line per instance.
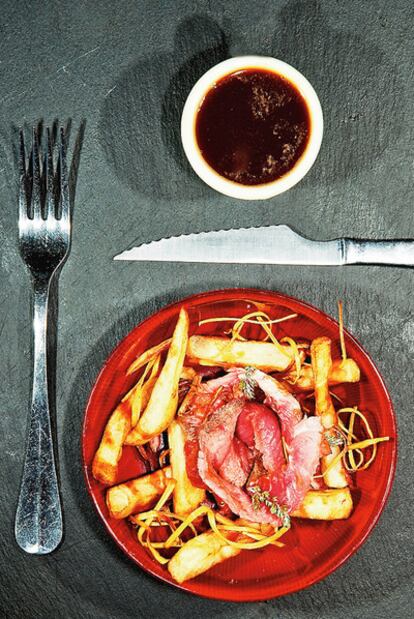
(270, 245)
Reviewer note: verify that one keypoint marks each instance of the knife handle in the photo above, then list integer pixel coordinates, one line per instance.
(398, 252)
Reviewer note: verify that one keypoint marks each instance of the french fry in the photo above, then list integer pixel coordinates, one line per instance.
(139, 396)
(334, 476)
(188, 373)
(206, 350)
(186, 497)
(139, 404)
(321, 366)
(105, 462)
(162, 404)
(137, 495)
(332, 504)
(198, 555)
(342, 371)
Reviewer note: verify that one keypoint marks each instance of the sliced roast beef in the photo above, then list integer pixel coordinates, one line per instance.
(281, 401)
(238, 463)
(217, 433)
(199, 405)
(291, 484)
(231, 440)
(258, 428)
(237, 499)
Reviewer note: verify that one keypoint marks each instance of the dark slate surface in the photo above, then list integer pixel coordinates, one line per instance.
(125, 68)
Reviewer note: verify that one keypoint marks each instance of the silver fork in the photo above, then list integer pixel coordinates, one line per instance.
(44, 238)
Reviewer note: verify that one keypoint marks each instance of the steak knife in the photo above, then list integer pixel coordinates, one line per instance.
(271, 245)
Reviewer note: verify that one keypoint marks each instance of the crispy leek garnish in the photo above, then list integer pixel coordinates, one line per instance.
(148, 355)
(147, 519)
(262, 540)
(296, 355)
(344, 436)
(254, 318)
(243, 536)
(247, 319)
(358, 446)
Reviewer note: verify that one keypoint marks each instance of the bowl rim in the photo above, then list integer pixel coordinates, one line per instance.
(240, 294)
(195, 99)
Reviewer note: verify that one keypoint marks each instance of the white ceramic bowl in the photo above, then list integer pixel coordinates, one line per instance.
(206, 172)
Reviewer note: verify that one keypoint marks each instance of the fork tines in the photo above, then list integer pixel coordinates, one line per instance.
(43, 188)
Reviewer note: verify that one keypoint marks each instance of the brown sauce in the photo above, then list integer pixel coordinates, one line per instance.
(252, 126)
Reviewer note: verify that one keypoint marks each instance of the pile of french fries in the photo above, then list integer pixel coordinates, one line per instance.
(150, 408)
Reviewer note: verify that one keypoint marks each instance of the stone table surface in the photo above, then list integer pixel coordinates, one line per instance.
(121, 70)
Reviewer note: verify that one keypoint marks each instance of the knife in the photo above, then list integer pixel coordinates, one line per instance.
(271, 245)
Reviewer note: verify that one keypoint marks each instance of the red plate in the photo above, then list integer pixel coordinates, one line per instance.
(312, 549)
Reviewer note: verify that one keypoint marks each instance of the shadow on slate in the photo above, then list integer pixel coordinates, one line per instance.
(140, 118)
(362, 114)
(376, 580)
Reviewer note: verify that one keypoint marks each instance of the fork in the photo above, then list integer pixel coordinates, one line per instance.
(44, 242)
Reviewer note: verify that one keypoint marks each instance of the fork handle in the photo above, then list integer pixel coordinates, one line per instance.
(38, 525)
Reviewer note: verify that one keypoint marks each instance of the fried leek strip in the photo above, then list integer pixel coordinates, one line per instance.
(162, 404)
(186, 497)
(332, 504)
(342, 371)
(140, 394)
(333, 470)
(146, 356)
(138, 494)
(352, 443)
(206, 350)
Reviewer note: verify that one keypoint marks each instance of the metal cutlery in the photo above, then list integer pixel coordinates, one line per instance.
(44, 241)
(271, 245)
